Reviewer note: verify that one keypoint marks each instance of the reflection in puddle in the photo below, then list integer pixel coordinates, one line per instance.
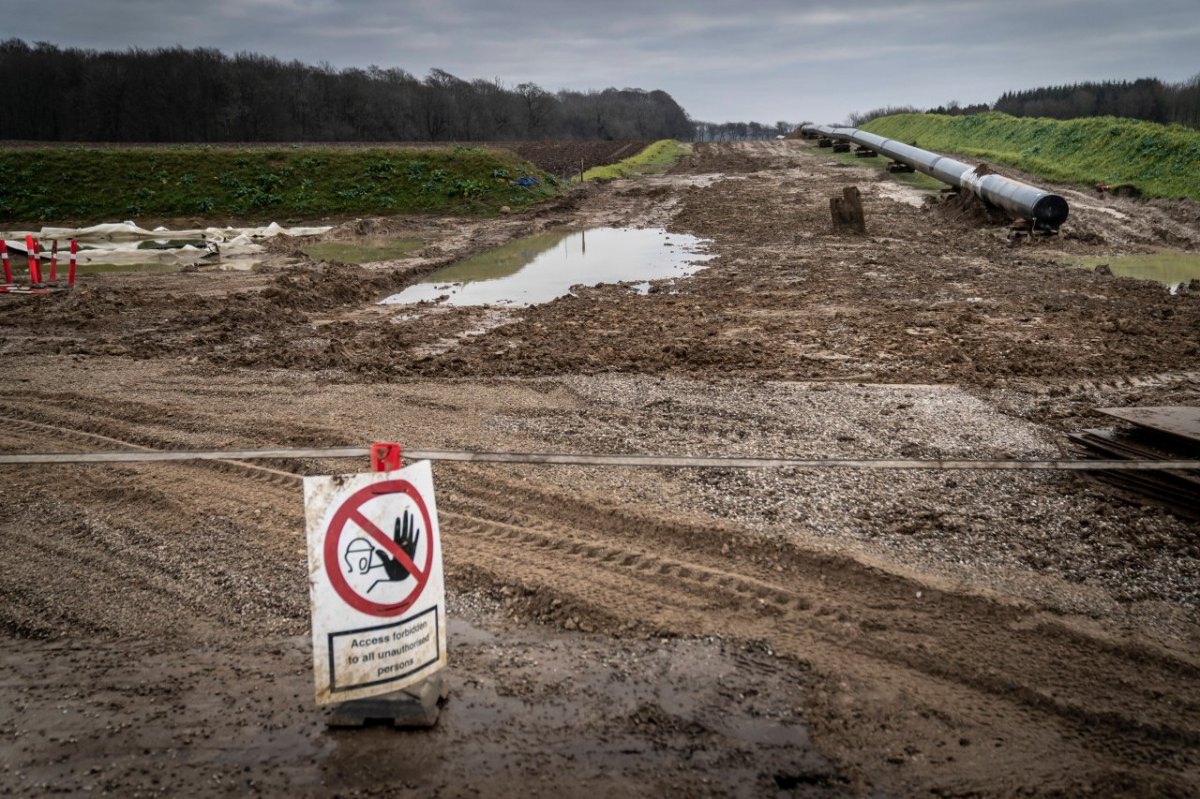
(1169, 267)
(244, 264)
(545, 266)
(100, 268)
(172, 244)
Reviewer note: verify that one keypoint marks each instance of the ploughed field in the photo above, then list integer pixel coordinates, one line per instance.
(623, 632)
(564, 158)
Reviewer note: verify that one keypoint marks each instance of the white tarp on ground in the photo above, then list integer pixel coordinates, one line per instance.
(129, 231)
(118, 243)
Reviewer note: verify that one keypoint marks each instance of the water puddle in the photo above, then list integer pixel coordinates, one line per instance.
(102, 268)
(364, 251)
(539, 268)
(1169, 267)
(172, 244)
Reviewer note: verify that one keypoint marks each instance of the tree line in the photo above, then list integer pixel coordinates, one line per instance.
(202, 95)
(1148, 99)
(739, 131)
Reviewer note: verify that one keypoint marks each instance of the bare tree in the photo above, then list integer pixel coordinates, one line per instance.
(537, 102)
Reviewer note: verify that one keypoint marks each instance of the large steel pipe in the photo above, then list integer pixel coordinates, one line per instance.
(1047, 211)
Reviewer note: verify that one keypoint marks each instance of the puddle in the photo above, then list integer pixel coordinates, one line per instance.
(363, 251)
(172, 244)
(1169, 267)
(540, 268)
(100, 268)
(589, 707)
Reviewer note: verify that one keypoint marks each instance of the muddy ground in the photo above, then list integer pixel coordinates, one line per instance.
(623, 632)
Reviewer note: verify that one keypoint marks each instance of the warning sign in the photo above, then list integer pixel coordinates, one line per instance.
(375, 571)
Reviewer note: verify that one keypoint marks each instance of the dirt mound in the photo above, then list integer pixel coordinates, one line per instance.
(966, 206)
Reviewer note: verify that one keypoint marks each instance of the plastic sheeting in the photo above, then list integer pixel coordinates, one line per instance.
(124, 243)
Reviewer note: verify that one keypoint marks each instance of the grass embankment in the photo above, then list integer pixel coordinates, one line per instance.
(1160, 160)
(657, 157)
(55, 184)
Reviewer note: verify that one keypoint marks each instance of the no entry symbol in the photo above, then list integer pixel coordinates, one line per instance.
(379, 546)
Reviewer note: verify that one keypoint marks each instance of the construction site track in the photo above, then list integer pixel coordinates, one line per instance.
(1022, 679)
(932, 634)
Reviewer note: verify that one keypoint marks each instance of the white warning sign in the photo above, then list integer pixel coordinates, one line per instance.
(375, 571)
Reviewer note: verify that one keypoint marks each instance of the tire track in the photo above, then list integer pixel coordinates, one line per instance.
(274, 476)
(1039, 687)
(1111, 694)
(678, 596)
(669, 601)
(551, 521)
(167, 551)
(793, 606)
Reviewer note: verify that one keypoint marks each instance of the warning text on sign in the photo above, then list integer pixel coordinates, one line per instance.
(378, 655)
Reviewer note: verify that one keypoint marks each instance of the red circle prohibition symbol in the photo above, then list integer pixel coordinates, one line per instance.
(351, 511)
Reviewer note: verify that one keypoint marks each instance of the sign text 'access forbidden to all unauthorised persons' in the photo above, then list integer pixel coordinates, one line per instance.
(385, 654)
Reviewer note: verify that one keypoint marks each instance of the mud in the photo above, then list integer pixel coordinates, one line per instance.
(620, 717)
(619, 632)
(537, 269)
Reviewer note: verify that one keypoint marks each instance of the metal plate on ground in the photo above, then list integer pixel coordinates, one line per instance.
(1134, 445)
(1178, 420)
(1178, 490)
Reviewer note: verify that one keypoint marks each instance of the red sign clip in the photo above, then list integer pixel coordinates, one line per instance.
(385, 457)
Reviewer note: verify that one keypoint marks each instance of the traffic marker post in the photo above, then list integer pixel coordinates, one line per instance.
(7, 267)
(36, 276)
(35, 270)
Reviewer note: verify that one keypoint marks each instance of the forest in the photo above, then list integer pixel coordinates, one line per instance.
(202, 95)
(1147, 99)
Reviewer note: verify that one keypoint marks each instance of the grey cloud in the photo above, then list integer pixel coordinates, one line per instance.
(768, 60)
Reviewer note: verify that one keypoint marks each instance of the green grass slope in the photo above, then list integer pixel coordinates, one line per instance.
(1161, 160)
(655, 158)
(54, 184)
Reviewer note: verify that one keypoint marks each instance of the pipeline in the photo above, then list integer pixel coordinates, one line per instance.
(1047, 211)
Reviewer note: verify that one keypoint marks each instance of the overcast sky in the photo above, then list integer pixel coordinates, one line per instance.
(765, 60)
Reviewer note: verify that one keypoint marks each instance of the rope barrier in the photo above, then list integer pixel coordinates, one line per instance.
(583, 459)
